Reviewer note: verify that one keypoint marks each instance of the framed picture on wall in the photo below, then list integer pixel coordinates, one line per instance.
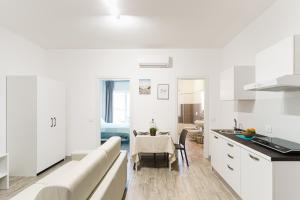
(163, 91)
(144, 86)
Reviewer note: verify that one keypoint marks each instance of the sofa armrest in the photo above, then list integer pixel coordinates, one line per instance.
(78, 155)
(29, 193)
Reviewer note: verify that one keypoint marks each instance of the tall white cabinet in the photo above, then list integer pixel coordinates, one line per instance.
(36, 136)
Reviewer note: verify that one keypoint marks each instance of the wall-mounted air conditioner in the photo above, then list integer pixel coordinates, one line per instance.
(155, 61)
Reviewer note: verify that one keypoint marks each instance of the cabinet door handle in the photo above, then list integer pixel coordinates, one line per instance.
(230, 156)
(51, 122)
(253, 157)
(231, 145)
(230, 168)
(54, 122)
(216, 137)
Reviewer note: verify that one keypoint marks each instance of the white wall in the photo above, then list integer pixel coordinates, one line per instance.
(80, 70)
(280, 110)
(17, 56)
(83, 67)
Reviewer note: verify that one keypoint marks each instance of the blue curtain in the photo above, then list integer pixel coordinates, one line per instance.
(109, 88)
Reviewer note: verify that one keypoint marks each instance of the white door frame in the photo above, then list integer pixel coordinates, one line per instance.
(206, 107)
(99, 102)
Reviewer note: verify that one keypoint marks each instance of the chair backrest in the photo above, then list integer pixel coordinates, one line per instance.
(183, 137)
(134, 133)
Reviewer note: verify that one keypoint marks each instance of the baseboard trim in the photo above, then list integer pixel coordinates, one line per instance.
(50, 167)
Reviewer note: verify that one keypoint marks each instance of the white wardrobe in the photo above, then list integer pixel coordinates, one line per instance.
(36, 136)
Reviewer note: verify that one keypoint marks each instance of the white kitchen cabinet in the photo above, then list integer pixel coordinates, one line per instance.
(225, 159)
(232, 83)
(217, 153)
(256, 177)
(232, 171)
(279, 59)
(251, 174)
(35, 124)
(277, 68)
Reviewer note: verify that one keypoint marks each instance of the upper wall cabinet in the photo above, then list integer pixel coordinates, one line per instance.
(278, 67)
(233, 80)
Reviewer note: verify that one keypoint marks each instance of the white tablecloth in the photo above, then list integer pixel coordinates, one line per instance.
(153, 144)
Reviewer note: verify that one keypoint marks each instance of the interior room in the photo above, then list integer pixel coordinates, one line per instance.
(126, 100)
(115, 111)
(191, 103)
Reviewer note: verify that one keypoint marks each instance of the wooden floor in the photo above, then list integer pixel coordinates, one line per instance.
(156, 182)
(195, 182)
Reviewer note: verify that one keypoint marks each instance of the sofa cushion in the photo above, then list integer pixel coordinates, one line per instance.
(29, 193)
(59, 173)
(78, 155)
(112, 147)
(87, 174)
(80, 181)
(113, 184)
(77, 180)
(51, 192)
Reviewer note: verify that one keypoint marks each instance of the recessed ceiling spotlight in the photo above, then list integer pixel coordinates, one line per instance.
(113, 8)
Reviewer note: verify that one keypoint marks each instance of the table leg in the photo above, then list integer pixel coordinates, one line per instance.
(167, 158)
(136, 166)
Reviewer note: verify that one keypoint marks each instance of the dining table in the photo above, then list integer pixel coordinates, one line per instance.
(153, 144)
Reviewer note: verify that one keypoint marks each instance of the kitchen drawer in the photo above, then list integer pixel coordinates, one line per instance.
(232, 175)
(233, 161)
(231, 148)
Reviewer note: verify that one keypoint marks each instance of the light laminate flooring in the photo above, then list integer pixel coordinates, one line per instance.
(197, 182)
(156, 182)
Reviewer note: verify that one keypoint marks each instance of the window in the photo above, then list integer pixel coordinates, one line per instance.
(120, 106)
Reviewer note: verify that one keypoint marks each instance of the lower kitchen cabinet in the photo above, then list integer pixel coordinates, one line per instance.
(251, 174)
(256, 177)
(232, 169)
(225, 159)
(217, 153)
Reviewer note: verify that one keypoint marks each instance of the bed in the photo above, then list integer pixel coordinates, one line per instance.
(114, 129)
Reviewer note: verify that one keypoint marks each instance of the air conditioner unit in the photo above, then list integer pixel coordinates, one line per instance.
(155, 61)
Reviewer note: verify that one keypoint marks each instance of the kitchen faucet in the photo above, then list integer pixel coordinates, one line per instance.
(236, 128)
(235, 124)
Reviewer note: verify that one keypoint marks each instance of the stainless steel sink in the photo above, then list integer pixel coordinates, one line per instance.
(227, 131)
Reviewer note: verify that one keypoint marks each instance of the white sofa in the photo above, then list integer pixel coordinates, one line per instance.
(98, 174)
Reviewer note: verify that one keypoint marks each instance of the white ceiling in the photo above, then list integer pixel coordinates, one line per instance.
(66, 24)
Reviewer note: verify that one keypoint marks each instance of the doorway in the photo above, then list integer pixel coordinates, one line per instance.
(191, 109)
(115, 110)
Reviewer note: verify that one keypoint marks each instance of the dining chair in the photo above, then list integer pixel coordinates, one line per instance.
(181, 145)
(134, 133)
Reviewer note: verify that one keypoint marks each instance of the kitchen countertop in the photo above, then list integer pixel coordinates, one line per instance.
(274, 155)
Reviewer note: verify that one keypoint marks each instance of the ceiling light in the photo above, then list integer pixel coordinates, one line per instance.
(113, 8)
